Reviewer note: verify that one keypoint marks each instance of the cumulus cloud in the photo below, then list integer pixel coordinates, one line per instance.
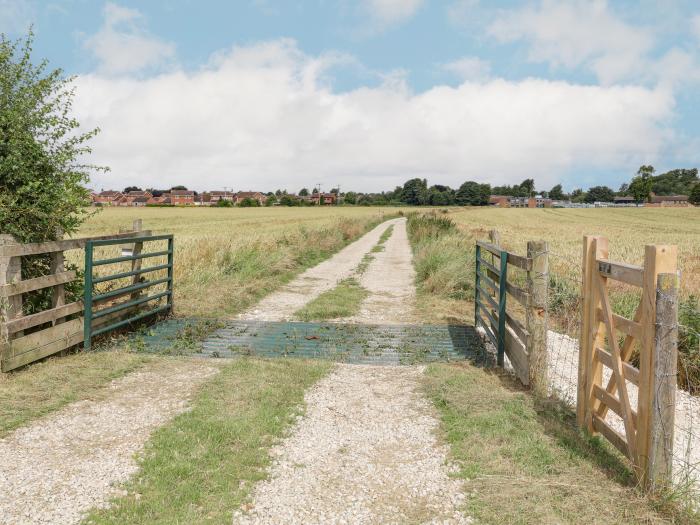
(390, 12)
(122, 45)
(578, 33)
(468, 68)
(262, 117)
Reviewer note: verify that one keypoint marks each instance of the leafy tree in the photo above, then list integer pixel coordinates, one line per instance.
(132, 188)
(556, 193)
(599, 194)
(271, 200)
(179, 188)
(303, 192)
(350, 198)
(528, 187)
(414, 192)
(640, 187)
(335, 190)
(223, 203)
(675, 182)
(473, 194)
(694, 196)
(278, 193)
(314, 191)
(42, 171)
(288, 200)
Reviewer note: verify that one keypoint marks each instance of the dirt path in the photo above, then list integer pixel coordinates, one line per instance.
(281, 305)
(60, 466)
(389, 279)
(365, 452)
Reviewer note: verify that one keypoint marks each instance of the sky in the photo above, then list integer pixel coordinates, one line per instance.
(365, 94)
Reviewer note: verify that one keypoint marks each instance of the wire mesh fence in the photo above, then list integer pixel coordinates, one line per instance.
(565, 305)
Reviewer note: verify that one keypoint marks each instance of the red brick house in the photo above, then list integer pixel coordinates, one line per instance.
(130, 199)
(668, 201)
(255, 195)
(328, 198)
(217, 196)
(107, 198)
(182, 197)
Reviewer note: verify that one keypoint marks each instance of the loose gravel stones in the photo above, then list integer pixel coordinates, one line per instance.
(60, 466)
(365, 452)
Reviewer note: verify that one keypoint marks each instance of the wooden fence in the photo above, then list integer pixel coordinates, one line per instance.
(525, 343)
(27, 338)
(647, 439)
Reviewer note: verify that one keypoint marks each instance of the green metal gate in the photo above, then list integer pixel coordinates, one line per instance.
(111, 316)
(495, 278)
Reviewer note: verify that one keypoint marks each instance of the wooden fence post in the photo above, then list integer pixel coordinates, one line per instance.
(590, 370)
(657, 259)
(58, 294)
(136, 264)
(536, 315)
(10, 307)
(665, 368)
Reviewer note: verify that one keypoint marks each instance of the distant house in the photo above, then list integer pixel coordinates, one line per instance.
(130, 199)
(668, 201)
(182, 197)
(140, 201)
(499, 201)
(506, 201)
(217, 196)
(327, 199)
(161, 199)
(624, 199)
(255, 195)
(107, 198)
(203, 199)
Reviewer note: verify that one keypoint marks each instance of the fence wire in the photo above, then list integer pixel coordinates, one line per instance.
(564, 310)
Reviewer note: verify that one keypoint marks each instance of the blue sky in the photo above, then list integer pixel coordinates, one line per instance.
(265, 94)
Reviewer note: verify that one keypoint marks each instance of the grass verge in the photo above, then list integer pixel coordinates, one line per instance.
(524, 461)
(342, 301)
(43, 387)
(201, 467)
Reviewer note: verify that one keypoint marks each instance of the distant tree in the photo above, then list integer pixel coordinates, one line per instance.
(473, 194)
(223, 203)
(314, 191)
(439, 195)
(528, 187)
(156, 192)
(414, 192)
(694, 196)
(131, 188)
(271, 200)
(640, 187)
(350, 197)
(335, 190)
(288, 200)
(184, 188)
(278, 193)
(249, 203)
(624, 189)
(675, 182)
(600, 194)
(303, 192)
(556, 193)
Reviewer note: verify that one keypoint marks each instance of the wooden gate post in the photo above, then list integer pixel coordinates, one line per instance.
(665, 369)
(58, 294)
(537, 316)
(10, 307)
(658, 259)
(590, 370)
(136, 263)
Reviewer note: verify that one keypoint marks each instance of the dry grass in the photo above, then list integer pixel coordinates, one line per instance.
(523, 461)
(227, 258)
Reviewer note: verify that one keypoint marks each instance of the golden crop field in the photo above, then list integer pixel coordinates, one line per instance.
(227, 258)
(627, 229)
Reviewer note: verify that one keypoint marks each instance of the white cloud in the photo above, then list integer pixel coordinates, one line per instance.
(16, 16)
(468, 68)
(122, 45)
(262, 117)
(578, 33)
(390, 12)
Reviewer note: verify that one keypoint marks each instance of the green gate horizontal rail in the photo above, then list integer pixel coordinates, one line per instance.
(90, 297)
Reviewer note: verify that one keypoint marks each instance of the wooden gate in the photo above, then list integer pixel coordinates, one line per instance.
(601, 333)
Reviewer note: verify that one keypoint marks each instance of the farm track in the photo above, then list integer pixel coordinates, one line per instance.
(281, 305)
(60, 466)
(366, 451)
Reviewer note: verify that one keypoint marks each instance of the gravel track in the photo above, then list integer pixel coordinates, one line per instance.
(389, 279)
(365, 452)
(58, 467)
(281, 305)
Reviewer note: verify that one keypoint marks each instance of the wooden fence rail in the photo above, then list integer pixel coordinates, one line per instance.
(651, 336)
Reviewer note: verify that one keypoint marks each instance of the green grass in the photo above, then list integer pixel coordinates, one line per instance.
(379, 247)
(202, 466)
(41, 388)
(523, 461)
(342, 301)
